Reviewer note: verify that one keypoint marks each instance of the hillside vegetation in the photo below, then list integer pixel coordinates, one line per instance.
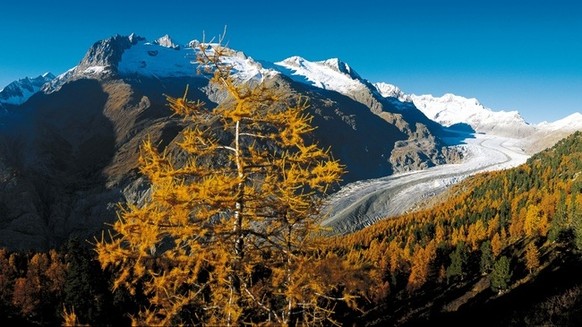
(503, 250)
(497, 235)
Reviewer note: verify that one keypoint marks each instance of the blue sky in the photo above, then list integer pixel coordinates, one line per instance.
(511, 55)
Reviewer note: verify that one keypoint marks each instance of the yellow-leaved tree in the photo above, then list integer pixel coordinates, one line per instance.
(230, 234)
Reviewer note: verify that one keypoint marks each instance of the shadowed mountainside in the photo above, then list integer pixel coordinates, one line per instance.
(68, 157)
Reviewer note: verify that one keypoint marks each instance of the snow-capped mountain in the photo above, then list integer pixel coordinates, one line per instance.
(18, 92)
(133, 58)
(166, 41)
(422, 134)
(331, 74)
(451, 109)
(127, 56)
(80, 153)
(336, 75)
(392, 91)
(571, 123)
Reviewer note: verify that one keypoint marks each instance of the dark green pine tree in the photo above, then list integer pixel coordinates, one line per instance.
(487, 258)
(86, 289)
(560, 221)
(575, 214)
(458, 260)
(501, 274)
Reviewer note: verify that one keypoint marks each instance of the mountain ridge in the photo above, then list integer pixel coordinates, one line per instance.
(450, 109)
(106, 57)
(97, 114)
(71, 150)
(19, 91)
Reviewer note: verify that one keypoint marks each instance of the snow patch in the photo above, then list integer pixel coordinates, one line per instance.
(24, 95)
(160, 59)
(331, 74)
(392, 91)
(93, 70)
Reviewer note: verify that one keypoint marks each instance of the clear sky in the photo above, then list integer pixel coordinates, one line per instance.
(511, 55)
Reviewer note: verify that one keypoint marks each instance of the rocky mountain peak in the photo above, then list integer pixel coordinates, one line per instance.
(166, 41)
(341, 67)
(106, 54)
(391, 91)
(21, 90)
(101, 60)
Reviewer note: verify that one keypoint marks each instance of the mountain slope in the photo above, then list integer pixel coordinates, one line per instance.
(497, 239)
(423, 146)
(547, 134)
(451, 109)
(70, 152)
(331, 74)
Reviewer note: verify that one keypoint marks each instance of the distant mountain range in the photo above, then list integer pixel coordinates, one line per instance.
(17, 92)
(69, 144)
(163, 58)
(450, 110)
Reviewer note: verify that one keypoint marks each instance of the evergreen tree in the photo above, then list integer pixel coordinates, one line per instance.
(458, 259)
(560, 221)
(576, 219)
(85, 291)
(501, 274)
(487, 258)
(230, 234)
(7, 276)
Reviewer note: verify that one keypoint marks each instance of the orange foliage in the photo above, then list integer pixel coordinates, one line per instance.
(231, 228)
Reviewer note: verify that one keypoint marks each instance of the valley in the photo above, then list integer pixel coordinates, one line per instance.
(363, 203)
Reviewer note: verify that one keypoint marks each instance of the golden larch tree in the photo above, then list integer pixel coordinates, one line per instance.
(230, 234)
(496, 245)
(532, 257)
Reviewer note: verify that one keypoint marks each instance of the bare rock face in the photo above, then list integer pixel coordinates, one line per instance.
(106, 53)
(422, 150)
(166, 41)
(99, 62)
